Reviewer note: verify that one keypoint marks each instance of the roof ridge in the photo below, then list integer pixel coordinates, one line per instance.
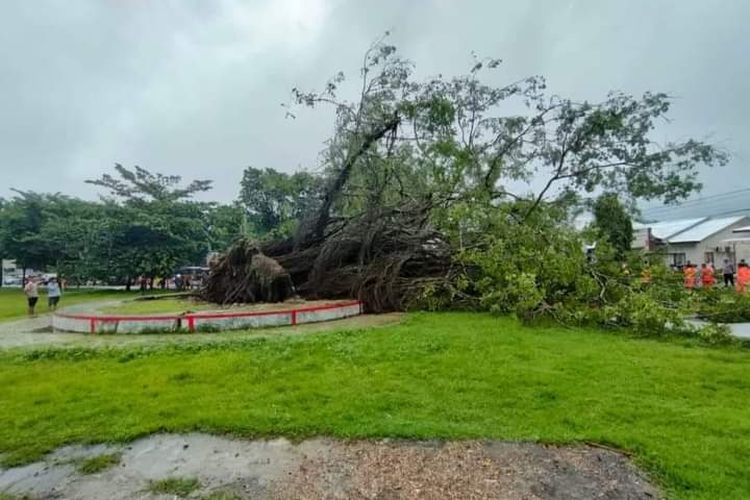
(698, 223)
(729, 221)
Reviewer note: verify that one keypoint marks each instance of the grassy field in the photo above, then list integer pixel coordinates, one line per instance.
(680, 409)
(166, 305)
(179, 305)
(13, 301)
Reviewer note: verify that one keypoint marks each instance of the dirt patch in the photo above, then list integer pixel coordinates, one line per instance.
(322, 468)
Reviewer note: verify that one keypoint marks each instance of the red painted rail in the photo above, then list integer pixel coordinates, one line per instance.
(191, 318)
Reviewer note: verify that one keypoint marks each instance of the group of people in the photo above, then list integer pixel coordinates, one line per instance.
(179, 283)
(705, 276)
(31, 290)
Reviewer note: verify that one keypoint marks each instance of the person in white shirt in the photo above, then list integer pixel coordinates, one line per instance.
(53, 294)
(32, 294)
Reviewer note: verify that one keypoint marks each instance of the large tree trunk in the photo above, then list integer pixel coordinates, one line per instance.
(386, 260)
(339, 181)
(246, 275)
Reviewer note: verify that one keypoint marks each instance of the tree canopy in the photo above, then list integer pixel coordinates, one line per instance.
(460, 138)
(141, 186)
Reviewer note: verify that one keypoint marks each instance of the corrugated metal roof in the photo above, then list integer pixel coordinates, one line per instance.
(665, 230)
(705, 229)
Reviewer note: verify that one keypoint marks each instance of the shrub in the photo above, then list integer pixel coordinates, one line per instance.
(98, 463)
(716, 334)
(641, 312)
(722, 306)
(538, 269)
(179, 486)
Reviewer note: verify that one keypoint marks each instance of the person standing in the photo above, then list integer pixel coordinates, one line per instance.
(53, 294)
(31, 289)
(689, 273)
(743, 277)
(728, 271)
(707, 276)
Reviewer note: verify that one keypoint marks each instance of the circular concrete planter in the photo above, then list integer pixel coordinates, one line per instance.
(201, 321)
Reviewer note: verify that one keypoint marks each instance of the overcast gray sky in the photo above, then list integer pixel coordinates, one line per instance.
(194, 87)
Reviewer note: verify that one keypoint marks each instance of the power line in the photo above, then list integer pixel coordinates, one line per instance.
(702, 199)
(719, 202)
(701, 210)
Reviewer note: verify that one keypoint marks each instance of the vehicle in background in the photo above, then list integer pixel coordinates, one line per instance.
(190, 277)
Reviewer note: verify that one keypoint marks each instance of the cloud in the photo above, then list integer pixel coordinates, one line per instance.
(194, 88)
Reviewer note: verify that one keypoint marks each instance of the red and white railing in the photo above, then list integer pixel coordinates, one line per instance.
(207, 321)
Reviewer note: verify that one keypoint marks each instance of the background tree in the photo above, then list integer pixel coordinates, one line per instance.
(71, 230)
(21, 222)
(146, 225)
(139, 186)
(154, 226)
(613, 223)
(225, 224)
(275, 200)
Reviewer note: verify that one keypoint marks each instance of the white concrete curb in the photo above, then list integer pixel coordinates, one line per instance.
(208, 321)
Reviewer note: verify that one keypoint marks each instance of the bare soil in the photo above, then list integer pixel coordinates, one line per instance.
(323, 468)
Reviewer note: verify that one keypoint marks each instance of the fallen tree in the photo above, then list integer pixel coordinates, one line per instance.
(417, 173)
(383, 257)
(245, 275)
(385, 262)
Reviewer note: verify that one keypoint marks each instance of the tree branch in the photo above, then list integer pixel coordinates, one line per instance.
(340, 180)
(558, 173)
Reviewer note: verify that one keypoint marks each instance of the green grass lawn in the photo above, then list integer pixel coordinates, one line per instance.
(13, 301)
(166, 305)
(682, 410)
(181, 304)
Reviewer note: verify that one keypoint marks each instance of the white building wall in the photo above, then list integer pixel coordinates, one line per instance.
(696, 252)
(716, 241)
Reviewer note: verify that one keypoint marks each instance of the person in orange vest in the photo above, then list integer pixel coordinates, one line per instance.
(743, 277)
(707, 276)
(689, 272)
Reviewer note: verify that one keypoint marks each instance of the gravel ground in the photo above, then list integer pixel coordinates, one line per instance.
(322, 468)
